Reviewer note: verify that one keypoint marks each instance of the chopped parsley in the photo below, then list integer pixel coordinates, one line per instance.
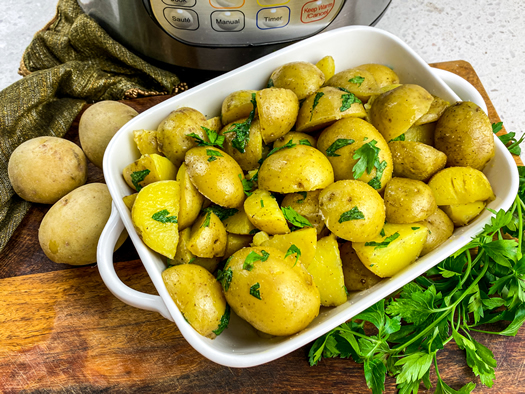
(206, 222)
(382, 233)
(262, 203)
(398, 138)
(305, 142)
(139, 176)
(338, 144)
(367, 156)
(317, 97)
(254, 231)
(225, 278)
(357, 80)
(348, 99)
(289, 144)
(252, 257)
(192, 259)
(303, 194)
(293, 250)
(254, 290)
(213, 154)
(375, 182)
(225, 320)
(352, 214)
(294, 218)
(247, 185)
(213, 136)
(385, 243)
(221, 212)
(415, 228)
(162, 216)
(242, 130)
(270, 84)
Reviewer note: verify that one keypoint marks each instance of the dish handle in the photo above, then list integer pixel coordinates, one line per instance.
(126, 294)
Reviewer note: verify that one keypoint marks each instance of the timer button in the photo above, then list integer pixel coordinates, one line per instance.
(272, 18)
(182, 3)
(182, 19)
(227, 20)
(265, 3)
(227, 3)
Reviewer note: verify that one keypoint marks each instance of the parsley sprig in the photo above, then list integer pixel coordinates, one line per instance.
(509, 139)
(214, 138)
(367, 157)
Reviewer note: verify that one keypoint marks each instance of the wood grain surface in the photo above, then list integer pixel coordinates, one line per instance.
(62, 331)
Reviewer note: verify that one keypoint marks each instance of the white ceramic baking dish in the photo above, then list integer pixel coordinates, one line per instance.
(240, 345)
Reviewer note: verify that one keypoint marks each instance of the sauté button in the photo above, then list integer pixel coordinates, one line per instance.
(182, 19)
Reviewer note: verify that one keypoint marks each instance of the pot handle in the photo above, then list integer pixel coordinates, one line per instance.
(126, 294)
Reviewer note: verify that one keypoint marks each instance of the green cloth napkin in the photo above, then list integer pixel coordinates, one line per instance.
(70, 62)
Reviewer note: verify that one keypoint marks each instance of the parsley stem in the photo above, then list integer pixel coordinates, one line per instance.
(520, 226)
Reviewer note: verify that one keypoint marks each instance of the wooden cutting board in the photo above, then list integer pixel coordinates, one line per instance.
(61, 330)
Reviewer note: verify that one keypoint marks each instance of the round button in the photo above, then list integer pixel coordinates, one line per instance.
(227, 20)
(229, 3)
(275, 17)
(181, 19)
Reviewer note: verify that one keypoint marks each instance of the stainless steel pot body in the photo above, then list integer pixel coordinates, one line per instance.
(221, 35)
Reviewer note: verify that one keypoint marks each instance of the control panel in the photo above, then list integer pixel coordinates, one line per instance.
(237, 23)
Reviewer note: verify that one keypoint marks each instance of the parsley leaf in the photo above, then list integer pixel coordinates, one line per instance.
(304, 141)
(206, 222)
(242, 130)
(357, 80)
(255, 290)
(375, 182)
(398, 138)
(289, 144)
(139, 176)
(294, 218)
(225, 320)
(385, 243)
(253, 257)
(225, 278)
(213, 154)
(367, 156)
(221, 212)
(214, 138)
(303, 194)
(247, 185)
(496, 127)
(293, 250)
(317, 97)
(338, 144)
(347, 100)
(162, 216)
(352, 214)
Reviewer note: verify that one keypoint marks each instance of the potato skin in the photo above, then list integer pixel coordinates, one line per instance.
(343, 196)
(198, 296)
(440, 228)
(98, 124)
(45, 169)
(357, 276)
(302, 78)
(278, 109)
(289, 298)
(408, 201)
(70, 230)
(464, 134)
(416, 160)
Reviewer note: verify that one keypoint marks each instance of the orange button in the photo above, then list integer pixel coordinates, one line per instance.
(316, 10)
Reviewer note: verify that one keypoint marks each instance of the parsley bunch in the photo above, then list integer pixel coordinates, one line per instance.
(480, 284)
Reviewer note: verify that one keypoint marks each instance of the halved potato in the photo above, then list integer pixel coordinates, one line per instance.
(185, 256)
(253, 151)
(304, 239)
(278, 109)
(306, 204)
(464, 214)
(237, 105)
(383, 75)
(357, 276)
(302, 78)
(416, 160)
(239, 223)
(408, 201)
(264, 213)
(358, 81)
(190, 199)
(149, 169)
(327, 66)
(208, 237)
(440, 228)
(146, 141)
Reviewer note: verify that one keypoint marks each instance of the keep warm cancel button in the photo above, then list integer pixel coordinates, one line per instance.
(316, 10)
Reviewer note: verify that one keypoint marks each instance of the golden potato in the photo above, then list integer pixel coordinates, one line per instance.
(399, 247)
(216, 175)
(436, 109)
(326, 106)
(357, 81)
(395, 111)
(154, 216)
(237, 105)
(464, 214)
(346, 142)
(98, 124)
(416, 160)
(423, 133)
(253, 149)
(306, 204)
(357, 276)
(464, 134)
(70, 230)
(296, 138)
(130, 200)
(239, 223)
(236, 242)
(263, 211)
(460, 185)
(383, 75)
(297, 169)
(148, 169)
(190, 199)
(174, 133)
(302, 78)
(305, 240)
(199, 298)
(45, 169)
(208, 236)
(327, 66)
(408, 201)
(214, 124)
(440, 228)
(274, 294)
(352, 210)
(146, 141)
(278, 109)
(260, 237)
(184, 256)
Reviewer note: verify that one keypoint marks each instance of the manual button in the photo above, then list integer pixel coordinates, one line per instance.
(182, 19)
(271, 18)
(227, 20)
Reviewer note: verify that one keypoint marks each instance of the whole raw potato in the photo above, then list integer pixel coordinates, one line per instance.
(70, 230)
(98, 125)
(44, 169)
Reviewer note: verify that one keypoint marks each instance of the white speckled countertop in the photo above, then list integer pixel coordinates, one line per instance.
(488, 34)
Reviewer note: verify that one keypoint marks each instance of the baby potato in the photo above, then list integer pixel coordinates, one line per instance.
(464, 214)
(45, 169)
(342, 144)
(359, 82)
(326, 106)
(464, 134)
(130, 200)
(208, 237)
(199, 298)
(297, 169)
(296, 138)
(146, 141)
(423, 133)
(154, 216)
(98, 124)
(148, 169)
(274, 294)
(190, 199)
(253, 151)
(383, 75)
(357, 276)
(173, 133)
(408, 201)
(394, 112)
(214, 124)
(302, 78)
(239, 223)
(327, 66)
(435, 111)
(416, 160)
(278, 109)
(236, 242)
(327, 271)
(216, 175)
(184, 256)
(237, 105)
(304, 239)
(306, 204)
(440, 228)
(70, 230)
(263, 211)
(460, 185)
(352, 210)
(399, 247)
